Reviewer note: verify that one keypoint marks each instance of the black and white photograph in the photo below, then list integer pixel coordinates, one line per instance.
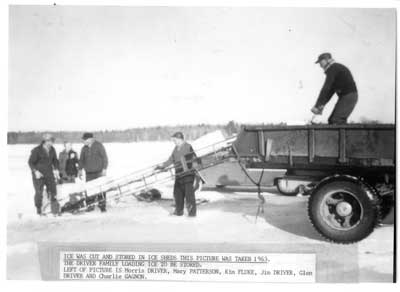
(236, 144)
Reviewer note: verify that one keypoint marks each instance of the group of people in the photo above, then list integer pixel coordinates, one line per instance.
(48, 170)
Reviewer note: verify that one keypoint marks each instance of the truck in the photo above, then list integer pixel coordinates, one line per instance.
(348, 172)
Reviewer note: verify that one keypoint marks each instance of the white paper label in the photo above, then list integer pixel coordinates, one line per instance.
(176, 266)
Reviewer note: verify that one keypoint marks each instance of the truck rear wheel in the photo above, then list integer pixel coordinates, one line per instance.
(344, 211)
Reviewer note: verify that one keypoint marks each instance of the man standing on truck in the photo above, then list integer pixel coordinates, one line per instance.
(44, 166)
(340, 81)
(94, 161)
(182, 158)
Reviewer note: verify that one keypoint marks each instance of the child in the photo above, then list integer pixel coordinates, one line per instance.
(68, 163)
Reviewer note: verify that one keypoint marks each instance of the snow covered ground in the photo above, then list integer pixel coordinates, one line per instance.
(228, 218)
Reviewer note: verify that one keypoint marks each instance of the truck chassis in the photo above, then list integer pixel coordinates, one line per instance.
(348, 171)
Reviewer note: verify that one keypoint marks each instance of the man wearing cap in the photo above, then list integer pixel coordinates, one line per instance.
(340, 81)
(94, 161)
(44, 166)
(182, 159)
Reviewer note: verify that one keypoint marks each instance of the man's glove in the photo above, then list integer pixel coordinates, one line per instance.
(38, 174)
(317, 110)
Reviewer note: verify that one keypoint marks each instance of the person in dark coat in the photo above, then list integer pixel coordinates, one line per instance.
(340, 81)
(72, 165)
(94, 161)
(183, 157)
(45, 171)
(69, 163)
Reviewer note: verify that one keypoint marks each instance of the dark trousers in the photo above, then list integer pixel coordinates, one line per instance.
(101, 198)
(47, 180)
(343, 108)
(183, 190)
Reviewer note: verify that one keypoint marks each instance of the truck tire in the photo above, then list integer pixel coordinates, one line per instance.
(344, 211)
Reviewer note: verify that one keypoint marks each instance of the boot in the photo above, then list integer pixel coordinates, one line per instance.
(102, 208)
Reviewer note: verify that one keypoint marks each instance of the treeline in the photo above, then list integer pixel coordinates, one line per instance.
(160, 133)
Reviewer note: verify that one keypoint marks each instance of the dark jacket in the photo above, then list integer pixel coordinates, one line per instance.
(72, 163)
(93, 158)
(182, 158)
(42, 160)
(338, 80)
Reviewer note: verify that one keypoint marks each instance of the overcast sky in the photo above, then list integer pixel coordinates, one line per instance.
(94, 68)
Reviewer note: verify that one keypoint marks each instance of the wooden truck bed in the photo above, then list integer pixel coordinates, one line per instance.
(319, 146)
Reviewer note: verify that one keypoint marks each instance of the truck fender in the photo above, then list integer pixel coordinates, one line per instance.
(345, 177)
